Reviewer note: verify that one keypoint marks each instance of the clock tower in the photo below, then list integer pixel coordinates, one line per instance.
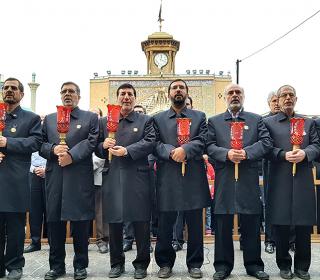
(160, 50)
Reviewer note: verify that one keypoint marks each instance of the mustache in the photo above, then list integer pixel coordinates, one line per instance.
(235, 101)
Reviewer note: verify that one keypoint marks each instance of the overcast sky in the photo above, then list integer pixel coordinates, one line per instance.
(70, 40)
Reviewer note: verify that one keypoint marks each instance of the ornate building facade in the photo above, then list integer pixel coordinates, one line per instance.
(160, 49)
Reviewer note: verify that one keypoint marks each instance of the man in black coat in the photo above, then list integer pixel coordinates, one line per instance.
(175, 192)
(269, 240)
(128, 229)
(179, 225)
(126, 181)
(20, 138)
(291, 200)
(242, 196)
(69, 183)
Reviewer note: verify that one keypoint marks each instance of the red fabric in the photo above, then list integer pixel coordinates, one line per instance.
(210, 176)
(296, 131)
(236, 135)
(113, 117)
(3, 109)
(183, 130)
(63, 118)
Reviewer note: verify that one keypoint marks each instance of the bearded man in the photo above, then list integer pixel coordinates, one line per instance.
(175, 192)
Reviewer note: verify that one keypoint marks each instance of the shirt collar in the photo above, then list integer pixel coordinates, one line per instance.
(14, 114)
(75, 113)
(239, 115)
(130, 118)
(281, 116)
(183, 114)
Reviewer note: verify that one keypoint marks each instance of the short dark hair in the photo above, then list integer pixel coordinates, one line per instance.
(178, 80)
(140, 106)
(71, 83)
(191, 101)
(127, 85)
(20, 86)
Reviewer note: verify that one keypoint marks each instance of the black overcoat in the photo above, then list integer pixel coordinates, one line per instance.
(291, 199)
(69, 189)
(23, 133)
(174, 191)
(242, 196)
(126, 182)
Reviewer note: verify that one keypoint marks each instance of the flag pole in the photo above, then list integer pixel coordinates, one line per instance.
(160, 19)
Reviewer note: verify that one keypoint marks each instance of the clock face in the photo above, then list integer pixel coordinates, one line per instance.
(161, 59)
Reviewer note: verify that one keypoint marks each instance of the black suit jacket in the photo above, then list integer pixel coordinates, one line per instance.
(69, 189)
(242, 196)
(23, 133)
(174, 191)
(291, 199)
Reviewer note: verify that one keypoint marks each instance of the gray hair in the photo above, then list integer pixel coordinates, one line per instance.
(227, 88)
(271, 95)
(286, 86)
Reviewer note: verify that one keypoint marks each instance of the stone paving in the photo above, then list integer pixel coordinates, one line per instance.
(37, 264)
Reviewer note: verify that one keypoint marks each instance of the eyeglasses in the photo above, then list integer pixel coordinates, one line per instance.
(14, 88)
(178, 87)
(285, 94)
(71, 91)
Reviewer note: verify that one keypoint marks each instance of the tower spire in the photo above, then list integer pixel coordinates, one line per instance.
(160, 19)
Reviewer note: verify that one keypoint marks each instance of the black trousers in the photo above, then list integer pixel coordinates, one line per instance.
(57, 236)
(164, 252)
(250, 233)
(12, 240)
(178, 228)
(302, 256)
(37, 208)
(128, 233)
(142, 235)
(268, 230)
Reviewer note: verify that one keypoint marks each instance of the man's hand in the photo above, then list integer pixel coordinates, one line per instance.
(2, 156)
(178, 154)
(109, 143)
(39, 171)
(118, 151)
(64, 159)
(59, 149)
(295, 156)
(236, 155)
(3, 141)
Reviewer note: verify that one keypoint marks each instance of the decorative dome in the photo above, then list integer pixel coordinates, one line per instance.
(160, 35)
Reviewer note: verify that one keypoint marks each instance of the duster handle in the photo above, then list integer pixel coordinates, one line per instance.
(236, 171)
(183, 168)
(111, 135)
(294, 166)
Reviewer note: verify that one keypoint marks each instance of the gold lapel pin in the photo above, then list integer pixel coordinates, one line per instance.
(13, 129)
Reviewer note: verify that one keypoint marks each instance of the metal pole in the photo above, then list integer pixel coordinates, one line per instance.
(237, 63)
